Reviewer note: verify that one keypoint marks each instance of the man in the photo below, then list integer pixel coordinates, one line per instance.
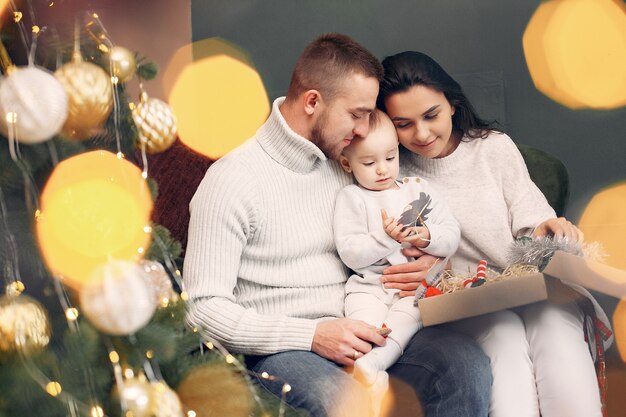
(261, 268)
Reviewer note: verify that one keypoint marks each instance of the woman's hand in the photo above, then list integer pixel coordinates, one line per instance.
(559, 228)
(408, 276)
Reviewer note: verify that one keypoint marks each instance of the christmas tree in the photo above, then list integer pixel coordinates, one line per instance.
(92, 322)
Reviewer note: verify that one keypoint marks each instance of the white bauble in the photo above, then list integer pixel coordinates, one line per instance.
(38, 100)
(117, 299)
(166, 402)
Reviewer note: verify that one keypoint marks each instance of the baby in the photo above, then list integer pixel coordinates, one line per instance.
(373, 221)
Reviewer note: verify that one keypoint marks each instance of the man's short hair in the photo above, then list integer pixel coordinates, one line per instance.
(327, 61)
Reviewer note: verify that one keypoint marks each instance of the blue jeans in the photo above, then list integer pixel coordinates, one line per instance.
(440, 374)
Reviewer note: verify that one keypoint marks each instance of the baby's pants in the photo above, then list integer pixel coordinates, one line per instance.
(402, 317)
(540, 361)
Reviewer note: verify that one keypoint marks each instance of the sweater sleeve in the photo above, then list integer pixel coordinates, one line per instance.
(445, 233)
(358, 247)
(222, 219)
(527, 205)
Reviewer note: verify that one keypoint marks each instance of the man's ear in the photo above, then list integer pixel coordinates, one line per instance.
(311, 100)
(345, 164)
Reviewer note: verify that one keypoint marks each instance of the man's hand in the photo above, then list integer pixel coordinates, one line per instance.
(559, 228)
(339, 339)
(408, 276)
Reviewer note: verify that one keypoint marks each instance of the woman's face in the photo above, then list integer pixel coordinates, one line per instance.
(423, 120)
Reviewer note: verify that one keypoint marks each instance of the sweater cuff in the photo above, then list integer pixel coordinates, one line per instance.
(297, 334)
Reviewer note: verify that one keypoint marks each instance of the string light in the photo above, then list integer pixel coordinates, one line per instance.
(119, 155)
(17, 16)
(114, 80)
(183, 295)
(140, 250)
(191, 413)
(149, 354)
(36, 29)
(11, 117)
(71, 313)
(209, 345)
(147, 229)
(128, 373)
(230, 359)
(15, 288)
(37, 215)
(114, 357)
(165, 302)
(286, 388)
(265, 375)
(53, 388)
(131, 106)
(97, 411)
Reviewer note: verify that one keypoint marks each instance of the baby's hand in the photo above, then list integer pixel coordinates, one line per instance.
(419, 236)
(396, 231)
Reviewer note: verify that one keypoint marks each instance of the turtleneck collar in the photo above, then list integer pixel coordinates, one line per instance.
(286, 146)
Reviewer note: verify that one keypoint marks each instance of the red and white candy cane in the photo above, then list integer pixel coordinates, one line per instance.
(481, 270)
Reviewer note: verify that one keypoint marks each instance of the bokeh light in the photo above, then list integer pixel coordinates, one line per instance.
(219, 99)
(603, 221)
(3, 5)
(575, 52)
(619, 327)
(94, 208)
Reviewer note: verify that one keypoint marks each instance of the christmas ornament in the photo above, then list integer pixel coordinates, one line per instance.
(215, 390)
(117, 299)
(158, 280)
(90, 97)
(539, 251)
(24, 325)
(35, 101)
(137, 395)
(155, 122)
(428, 287)
(166, 402)
(480, 277)
(94, 207)
(122, 63)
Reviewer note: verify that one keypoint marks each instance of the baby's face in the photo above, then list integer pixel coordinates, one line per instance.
(374, 160)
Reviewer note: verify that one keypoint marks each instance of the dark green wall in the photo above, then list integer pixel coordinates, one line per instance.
(480, 41)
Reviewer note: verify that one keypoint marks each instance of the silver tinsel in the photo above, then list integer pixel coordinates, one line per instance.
(539, 251)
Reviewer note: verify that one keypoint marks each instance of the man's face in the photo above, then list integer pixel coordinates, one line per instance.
(345, 117)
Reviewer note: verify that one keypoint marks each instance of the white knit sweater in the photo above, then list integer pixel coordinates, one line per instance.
(261, 266)
(487, 186)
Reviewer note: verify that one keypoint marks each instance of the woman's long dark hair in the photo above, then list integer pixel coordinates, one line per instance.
(408, 69)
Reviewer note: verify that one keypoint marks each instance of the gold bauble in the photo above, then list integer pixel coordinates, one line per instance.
(90, 97)
(166, 403)
(215, 390)
(138, 395)
(122, 63)
(24, 325)
(155, 122)
(158, 280)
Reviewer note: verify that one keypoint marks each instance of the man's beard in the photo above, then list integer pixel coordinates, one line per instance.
(319, 138)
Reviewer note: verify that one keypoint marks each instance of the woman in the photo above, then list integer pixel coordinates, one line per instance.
(540, 360)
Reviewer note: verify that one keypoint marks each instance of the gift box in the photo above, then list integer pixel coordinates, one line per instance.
(522, 290)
